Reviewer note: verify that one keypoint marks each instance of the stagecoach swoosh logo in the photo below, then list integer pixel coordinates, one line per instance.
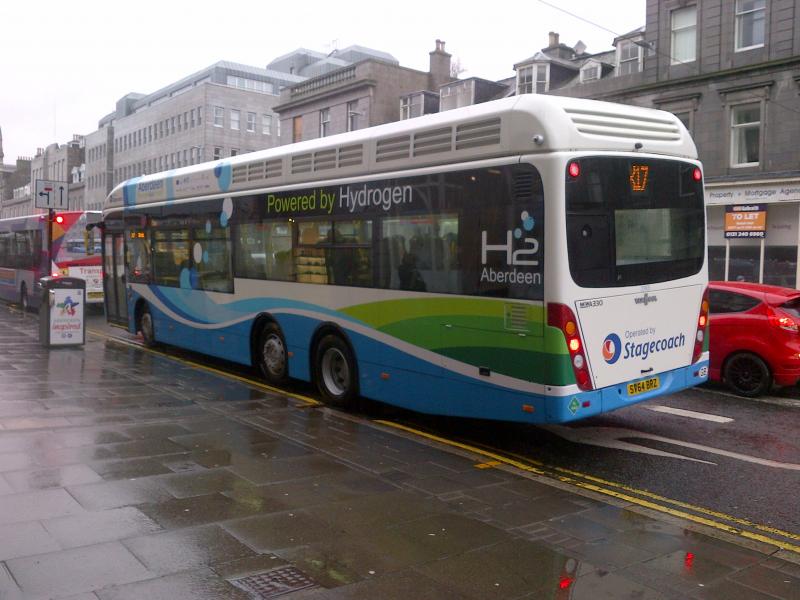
(612, 348)
(646, 299)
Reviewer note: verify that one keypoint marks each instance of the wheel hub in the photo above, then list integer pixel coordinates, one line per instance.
(274, 355)
(335, 372)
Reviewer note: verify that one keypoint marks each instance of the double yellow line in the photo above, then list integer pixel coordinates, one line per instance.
(494, 458)
(720, 521)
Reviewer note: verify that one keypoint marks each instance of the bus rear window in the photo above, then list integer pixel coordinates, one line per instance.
(633, 221)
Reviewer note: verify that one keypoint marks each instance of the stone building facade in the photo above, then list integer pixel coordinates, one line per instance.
(360, 95)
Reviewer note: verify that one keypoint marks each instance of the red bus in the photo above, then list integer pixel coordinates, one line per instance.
(76, 252)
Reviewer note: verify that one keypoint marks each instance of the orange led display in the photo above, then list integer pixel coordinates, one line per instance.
(638, 177)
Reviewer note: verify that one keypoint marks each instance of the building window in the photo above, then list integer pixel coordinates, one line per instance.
(352, 115)
(750, 19)
(192, 117)
(628, 58)
(251, 122)
(297, 129)
(525, 80)
(406, 107)
(217, 152)
(219, 116)
(324, 122)
(235, 119)
(686, 119)
(745, 134)
(199, 115)
(542, 72)
(684, 34)
(590, 72)
(266, 124)
(234, 151)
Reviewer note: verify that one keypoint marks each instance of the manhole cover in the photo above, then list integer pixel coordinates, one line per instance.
(280, 581)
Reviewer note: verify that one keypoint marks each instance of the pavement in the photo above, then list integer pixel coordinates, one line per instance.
(128, 474)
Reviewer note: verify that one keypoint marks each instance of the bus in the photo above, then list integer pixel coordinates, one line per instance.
(538, 259)
(24, 257)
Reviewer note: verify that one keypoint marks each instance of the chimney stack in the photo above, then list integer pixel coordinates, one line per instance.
(553, 39)
(439, 72)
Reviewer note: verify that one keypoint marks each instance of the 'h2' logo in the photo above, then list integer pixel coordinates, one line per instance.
(521, 256)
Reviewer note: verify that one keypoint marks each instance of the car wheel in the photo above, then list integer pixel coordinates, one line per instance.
(147, 327)
(24, 301)
(747, 375)
(335, 371)
(273, 358)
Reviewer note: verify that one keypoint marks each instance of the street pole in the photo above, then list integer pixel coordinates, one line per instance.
(51, 215)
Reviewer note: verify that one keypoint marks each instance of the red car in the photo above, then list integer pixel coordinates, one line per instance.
(755, 336)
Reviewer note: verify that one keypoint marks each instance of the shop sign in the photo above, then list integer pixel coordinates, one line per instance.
(746, 221)
(788, 192)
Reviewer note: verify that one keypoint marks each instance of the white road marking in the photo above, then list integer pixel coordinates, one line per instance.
(612, 437)
(689, 413)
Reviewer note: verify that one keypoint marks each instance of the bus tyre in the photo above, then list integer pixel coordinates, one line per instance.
(24, 301)
(335, 371)
(273, 358)
(747, 375)
(148, 328)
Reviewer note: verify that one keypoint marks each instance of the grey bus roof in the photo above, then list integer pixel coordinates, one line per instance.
(525, 124)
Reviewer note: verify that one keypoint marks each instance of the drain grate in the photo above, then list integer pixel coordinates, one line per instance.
(274, 583)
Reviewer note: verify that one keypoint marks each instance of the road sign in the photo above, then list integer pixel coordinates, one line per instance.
(51, 194)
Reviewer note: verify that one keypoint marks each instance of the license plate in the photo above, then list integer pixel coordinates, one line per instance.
(645, 385)
(94, 294)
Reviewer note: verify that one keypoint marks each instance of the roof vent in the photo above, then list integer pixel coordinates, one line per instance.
(433, 142)
(393, 148)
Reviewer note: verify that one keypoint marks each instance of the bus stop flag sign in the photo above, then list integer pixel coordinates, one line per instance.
(51, 194)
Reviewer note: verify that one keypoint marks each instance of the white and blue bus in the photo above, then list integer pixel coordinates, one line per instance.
(536, 259)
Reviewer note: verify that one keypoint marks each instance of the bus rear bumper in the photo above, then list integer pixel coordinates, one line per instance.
(588, 404)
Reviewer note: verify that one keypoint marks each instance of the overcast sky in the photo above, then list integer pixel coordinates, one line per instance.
(63, 65)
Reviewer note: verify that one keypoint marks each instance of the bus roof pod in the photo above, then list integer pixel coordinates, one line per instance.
(525, 124)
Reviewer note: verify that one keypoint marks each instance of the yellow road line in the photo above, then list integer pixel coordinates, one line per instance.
(250, 382)
(694, 507)
(569, 476)
(571, 480)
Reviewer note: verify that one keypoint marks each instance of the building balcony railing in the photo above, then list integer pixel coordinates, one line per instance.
(318, 83)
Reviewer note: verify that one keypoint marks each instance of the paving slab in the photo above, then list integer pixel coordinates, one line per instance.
(125, 474)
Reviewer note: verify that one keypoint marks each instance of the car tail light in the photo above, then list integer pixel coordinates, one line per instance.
(782, 321)
(559, 315)
(702, 325)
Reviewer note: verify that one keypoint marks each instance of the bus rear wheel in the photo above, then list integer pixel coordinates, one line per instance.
(147, 327)
(273, 358)
(336, 373)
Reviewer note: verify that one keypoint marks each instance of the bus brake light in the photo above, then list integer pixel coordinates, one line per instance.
(574, 169)
(702, 322)
(560, 316)
(697, 174)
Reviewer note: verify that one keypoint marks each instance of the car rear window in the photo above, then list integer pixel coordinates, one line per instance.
(792, 307)
(730, 302)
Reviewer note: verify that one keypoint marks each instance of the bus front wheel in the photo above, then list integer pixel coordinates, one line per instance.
(335, 371)
(273, 359)
(148, 328)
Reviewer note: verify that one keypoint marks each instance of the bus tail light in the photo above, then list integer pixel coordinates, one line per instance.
(702, 324)
(560, 315)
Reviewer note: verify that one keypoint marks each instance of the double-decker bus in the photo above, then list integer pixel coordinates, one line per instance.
(536, 259)
(24, 256)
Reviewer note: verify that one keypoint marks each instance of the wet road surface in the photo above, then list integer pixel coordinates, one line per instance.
(125, 474)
